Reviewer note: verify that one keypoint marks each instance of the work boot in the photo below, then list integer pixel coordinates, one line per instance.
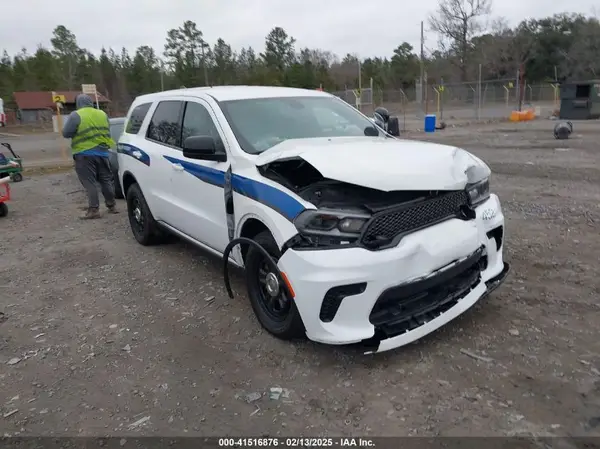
(91, 213)
(112, 208)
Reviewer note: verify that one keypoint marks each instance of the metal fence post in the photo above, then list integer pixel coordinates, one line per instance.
(442, 98)
(479, 94)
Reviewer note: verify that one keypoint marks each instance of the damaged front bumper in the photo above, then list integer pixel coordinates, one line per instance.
(389, 298)
(438, 313)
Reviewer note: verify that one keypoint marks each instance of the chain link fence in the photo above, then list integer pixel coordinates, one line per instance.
(488, 100)
(355, 98)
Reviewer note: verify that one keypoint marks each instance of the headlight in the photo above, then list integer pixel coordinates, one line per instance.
(479, 192)
(331, 223)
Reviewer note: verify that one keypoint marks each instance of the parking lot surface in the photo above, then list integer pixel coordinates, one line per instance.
(101, 336)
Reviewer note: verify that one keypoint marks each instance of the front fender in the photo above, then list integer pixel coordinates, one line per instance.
(281, 229)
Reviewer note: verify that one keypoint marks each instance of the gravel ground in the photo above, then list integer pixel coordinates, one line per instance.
(101, 336)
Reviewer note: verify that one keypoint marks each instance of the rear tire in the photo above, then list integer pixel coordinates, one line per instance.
(3, 210)
(17, 177)
(143, 226)
(285, 323)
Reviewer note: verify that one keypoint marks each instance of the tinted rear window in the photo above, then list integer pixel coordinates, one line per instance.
(137, 117)
(165, 126)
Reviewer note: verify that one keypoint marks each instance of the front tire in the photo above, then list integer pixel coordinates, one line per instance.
(277, 314)
(143, 226)
(3, 210)
(17, 177)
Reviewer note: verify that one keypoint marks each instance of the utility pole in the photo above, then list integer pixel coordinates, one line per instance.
(422, 78)
(359, 85)
(520, 87)
(203, 45)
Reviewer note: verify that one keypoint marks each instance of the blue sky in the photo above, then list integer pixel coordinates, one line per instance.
(335, 25)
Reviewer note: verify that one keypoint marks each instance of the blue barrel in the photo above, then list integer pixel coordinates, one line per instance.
(430, 123)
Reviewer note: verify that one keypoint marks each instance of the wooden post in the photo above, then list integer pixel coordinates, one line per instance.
(59, 125)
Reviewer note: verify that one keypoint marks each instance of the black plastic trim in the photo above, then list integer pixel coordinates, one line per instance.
(498, 235)
(334, 297)
(495, 282)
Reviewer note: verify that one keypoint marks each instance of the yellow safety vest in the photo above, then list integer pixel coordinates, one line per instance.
(93, 131)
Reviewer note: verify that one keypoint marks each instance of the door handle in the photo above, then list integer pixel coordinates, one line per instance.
(177, 167)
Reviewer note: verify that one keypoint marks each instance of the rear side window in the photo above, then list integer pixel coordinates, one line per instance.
(137, 117)
(165, 126)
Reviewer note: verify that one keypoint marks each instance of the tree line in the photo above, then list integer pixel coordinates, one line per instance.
(560, 47)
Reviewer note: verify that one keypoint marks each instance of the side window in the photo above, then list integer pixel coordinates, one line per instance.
(165, 126)
(136, 118)
(198, 122)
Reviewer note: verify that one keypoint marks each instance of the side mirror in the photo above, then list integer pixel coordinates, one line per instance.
(203, 148)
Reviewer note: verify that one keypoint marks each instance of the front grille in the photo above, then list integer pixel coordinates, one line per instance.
(387, 227)
(405, 307)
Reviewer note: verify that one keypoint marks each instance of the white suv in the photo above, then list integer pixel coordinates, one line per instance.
(355, 236)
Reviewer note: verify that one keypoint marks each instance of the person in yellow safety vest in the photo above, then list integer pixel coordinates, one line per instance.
(89, 131)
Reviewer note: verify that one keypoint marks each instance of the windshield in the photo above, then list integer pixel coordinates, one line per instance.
(261, 123)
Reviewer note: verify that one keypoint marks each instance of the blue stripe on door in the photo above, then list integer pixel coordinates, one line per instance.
(265, 194)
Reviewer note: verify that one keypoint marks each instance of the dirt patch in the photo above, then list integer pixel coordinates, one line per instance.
(26, 129)
(102, 336)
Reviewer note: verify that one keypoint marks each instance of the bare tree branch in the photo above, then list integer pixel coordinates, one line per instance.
(457, 22)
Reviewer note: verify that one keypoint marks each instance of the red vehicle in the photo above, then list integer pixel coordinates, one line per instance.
(4, 196)
(2, 114)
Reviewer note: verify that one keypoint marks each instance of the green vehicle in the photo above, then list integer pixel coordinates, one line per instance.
(10, 165)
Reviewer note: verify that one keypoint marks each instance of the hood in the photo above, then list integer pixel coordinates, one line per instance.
(83, 101)
(383, 164)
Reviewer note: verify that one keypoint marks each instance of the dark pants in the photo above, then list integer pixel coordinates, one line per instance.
(94, 170)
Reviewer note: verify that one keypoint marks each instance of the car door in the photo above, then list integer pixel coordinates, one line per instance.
(198, 184)
(163, 140)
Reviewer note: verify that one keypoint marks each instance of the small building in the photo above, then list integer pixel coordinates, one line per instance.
(580, 100)
(36, 107)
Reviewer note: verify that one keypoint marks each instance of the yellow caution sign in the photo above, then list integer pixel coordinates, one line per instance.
(510, 85)
(58, 99)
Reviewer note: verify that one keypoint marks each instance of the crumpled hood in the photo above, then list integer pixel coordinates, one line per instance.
(383, 164)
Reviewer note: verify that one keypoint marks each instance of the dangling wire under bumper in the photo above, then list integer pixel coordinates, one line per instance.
(272, 265)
